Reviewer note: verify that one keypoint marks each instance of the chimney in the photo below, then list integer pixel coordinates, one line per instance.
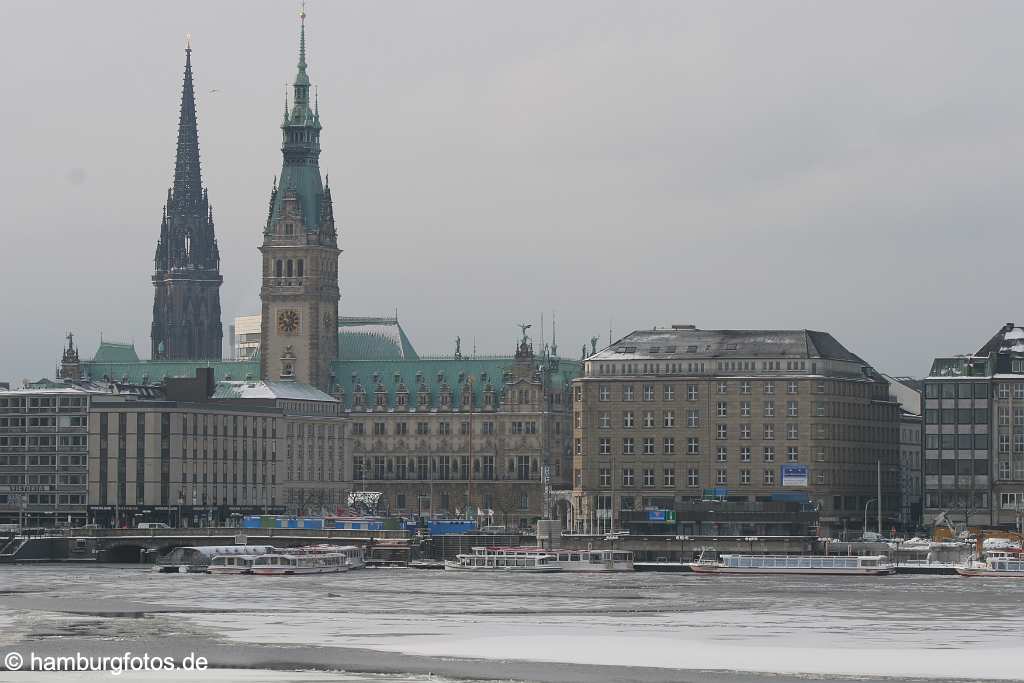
(204, 377)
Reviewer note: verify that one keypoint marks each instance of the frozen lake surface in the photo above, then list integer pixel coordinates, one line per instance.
(404, 624)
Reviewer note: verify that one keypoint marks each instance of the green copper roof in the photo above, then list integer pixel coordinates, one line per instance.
(114, 352)
(373, 339)
(154, 371)
(434, 372)
(300, 149)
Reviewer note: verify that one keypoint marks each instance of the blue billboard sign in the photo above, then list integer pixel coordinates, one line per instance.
(794, 475)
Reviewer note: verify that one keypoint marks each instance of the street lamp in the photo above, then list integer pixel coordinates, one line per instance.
(866, 506)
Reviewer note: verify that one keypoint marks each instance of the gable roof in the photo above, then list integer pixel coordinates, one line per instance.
(1009, 339)
(115, 352)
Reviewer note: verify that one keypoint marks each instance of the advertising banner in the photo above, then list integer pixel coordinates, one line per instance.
(794, 475)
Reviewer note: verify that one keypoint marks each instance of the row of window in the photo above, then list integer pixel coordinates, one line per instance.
(13, 423)
(964, 442)
(693, 415)
(43, 499)
(444, 428)
(963, 416)
(956, 466)
(668, 393)
(42, 402)
(695, 366)
(976, 502)
(647, 477)
(42, 460)
(443, 467)
(1003, 390)
(668, 447)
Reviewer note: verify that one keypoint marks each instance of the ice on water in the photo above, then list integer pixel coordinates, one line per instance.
(903, 626)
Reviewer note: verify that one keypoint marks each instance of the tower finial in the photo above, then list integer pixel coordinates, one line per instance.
(188, 42)
(302, 37)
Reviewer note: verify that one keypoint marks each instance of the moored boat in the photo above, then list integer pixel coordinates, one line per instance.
(864, 565)
(594, 560)
(195, 559)
(231, 564)
(997, 564)
(505, 559)
(287, 563)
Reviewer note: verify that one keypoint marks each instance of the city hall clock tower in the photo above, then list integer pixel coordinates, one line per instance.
(299, 329)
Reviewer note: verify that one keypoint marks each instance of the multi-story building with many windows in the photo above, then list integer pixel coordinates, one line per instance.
(488, 436)
(202, 452)
(43, 455)
(974, 434)
(666, 417)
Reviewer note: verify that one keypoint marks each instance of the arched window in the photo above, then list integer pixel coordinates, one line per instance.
(277, 268)
(289, 267)
(299, 271)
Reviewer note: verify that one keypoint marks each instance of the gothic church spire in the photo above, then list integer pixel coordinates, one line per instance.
(186, 305)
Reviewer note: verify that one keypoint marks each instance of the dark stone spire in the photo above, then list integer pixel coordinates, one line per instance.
(187, 176)
(186, 306)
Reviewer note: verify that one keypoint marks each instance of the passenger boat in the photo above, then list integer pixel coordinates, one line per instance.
(997, 564)
(353, 555)
(288, 562)
(594, 560)
(865, 565)
(195, 559)
(508, 559)
(231, 564)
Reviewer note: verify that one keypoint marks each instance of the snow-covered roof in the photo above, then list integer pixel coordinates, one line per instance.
(683, 342)
(290, 391)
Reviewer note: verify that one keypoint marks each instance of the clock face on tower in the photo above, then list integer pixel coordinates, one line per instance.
(288, 322)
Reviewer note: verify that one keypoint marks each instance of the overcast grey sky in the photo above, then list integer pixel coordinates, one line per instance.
(847, 167)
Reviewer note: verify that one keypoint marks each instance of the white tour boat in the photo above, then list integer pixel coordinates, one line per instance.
(865, 565)
(997, 564)
(196, 559)
(298, 561)
(231, 564)
(509, 559)
(353, 555)
(594, 560)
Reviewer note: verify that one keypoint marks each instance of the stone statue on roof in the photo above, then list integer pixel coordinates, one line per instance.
(524, 327)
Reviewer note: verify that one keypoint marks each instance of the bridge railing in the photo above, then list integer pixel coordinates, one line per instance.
(207, 532)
